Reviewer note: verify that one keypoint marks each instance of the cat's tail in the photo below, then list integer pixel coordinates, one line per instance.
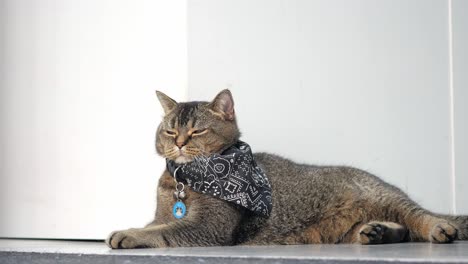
(461, 222)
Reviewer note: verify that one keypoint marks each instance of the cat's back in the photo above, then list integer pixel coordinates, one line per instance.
(303, 186)
(310, 187)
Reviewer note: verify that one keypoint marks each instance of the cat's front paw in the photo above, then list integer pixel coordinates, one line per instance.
(126, 239)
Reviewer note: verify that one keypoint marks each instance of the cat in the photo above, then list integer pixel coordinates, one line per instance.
(311, 204)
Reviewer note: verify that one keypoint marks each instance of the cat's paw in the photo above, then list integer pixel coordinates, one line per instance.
(125, 239)
(371, 233)
(443, 233)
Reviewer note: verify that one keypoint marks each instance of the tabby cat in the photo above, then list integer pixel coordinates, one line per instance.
(310, 204)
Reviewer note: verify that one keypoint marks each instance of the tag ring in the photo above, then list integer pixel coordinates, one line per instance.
(180, 184)
(177, 182)
(175, 174)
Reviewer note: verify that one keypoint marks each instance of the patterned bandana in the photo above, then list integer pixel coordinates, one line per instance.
(233, 176)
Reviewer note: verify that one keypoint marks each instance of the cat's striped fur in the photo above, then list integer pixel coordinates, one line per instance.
(311, 204)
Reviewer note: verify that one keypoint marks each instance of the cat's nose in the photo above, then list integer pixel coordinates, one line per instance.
(180, 144)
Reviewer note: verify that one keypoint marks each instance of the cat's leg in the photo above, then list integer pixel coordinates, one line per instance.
(424, 226)
(380, 233)
(208, 223)
(391, 204)
(174, 234)
(170, 235)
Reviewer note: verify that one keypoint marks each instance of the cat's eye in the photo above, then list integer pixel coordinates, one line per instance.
(170, 133)
(199, 132)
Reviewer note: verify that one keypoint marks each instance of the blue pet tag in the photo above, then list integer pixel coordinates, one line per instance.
(179, 210)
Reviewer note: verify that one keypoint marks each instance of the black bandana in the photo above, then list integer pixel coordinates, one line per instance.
(233, 176)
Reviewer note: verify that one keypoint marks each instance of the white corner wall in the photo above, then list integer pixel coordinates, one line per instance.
(362, 83)
(79, 112)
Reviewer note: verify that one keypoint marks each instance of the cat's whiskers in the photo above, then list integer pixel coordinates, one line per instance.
(171, 153)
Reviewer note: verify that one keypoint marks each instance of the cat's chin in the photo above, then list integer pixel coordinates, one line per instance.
(182, 159)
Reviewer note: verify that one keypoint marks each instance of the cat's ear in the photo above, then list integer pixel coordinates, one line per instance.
(167, 103)
(223, 104)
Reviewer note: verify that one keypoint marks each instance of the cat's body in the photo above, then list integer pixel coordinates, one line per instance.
(311, 204)
(334, 205)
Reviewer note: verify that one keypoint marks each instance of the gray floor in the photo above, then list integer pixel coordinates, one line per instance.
(47, 251)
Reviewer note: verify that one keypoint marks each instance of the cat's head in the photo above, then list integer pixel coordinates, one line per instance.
(192, 129)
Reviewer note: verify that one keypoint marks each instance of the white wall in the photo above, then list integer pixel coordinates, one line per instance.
(361, 83)
(79, 113)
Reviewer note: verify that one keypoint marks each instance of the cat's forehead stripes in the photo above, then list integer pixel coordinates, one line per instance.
(185, 115)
